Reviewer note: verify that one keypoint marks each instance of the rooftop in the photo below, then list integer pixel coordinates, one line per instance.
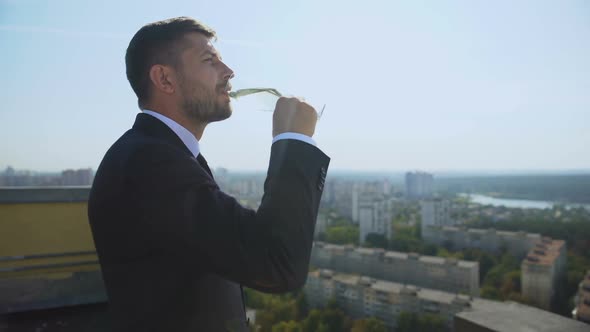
(511, 317)
(484, 231)
(11, 195)
(88, 318)
(396, 255)
(544, 253)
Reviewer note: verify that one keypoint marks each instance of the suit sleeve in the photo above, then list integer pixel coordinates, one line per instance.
(189, 217)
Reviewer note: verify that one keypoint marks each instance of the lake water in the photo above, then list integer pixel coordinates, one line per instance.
(515, 203)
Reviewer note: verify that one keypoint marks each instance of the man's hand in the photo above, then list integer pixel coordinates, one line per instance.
(293, 115)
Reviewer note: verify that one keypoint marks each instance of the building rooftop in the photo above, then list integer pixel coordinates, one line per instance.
(349, 279)
(389, 287)
(368, 251)
(544, 253)
(511, 317)
(396, 255)
(432, 260)
(476, 231)
(484, 231)
(87, 318)
(11, 195)
(467, 264)
(450, 228)
(512, 234)
(436, 296)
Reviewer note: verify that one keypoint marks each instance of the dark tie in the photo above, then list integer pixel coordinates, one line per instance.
(203, 164)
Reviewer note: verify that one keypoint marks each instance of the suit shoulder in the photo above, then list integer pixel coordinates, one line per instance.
(134, 150)
(134, 145)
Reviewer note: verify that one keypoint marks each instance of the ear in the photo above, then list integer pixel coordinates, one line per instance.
(163, 79)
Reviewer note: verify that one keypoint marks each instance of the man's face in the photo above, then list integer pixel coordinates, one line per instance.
(204, 81)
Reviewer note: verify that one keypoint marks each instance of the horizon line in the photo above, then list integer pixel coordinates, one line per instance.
(365, 171)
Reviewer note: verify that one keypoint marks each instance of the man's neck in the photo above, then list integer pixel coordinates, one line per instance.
(195, 127)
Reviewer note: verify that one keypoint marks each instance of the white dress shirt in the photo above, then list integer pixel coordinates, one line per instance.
(192, 143)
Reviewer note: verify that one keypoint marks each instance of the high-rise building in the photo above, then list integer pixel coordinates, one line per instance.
(435, 212)
(342, 198)
(80, 177)
(375, 217)
(419, 185)
(364, 193)
(355, 204)
(321, 224)
(541, 271)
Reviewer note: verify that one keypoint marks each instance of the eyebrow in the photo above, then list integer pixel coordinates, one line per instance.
(213, 53)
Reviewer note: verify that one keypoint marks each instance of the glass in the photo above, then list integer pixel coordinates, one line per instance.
(274, 92)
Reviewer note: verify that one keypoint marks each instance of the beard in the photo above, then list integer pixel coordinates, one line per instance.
(201, 103)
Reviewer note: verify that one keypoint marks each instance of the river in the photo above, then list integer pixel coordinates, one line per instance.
(517, 203)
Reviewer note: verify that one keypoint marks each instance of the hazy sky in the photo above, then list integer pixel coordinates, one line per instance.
(432, 85)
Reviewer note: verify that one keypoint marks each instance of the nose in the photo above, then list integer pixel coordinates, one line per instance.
(228, 73)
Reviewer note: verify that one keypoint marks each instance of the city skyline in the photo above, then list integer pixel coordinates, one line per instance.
(386, 252)
(407, 85)
(362, 172)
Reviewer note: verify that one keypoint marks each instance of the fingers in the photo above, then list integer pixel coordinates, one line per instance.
(294, 115)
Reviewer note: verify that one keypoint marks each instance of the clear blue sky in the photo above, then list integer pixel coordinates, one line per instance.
(435, 85)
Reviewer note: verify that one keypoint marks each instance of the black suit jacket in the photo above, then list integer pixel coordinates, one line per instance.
(174, 249)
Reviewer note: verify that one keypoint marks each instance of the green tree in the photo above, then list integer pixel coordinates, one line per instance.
(490, 292)
(411, 322)
(429, 249)
(407, 322)
(328, 320)
(301, 306)
(374, 240)
(254, 299)
(342, 234)
(368, 325)
(486, 262)
(312, 322)
(510, 283)
(341, 221)
(335, 320)
(433, 323)
(276, 310)
(290, 326)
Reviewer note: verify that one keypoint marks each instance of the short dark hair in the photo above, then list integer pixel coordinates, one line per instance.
(158, 43)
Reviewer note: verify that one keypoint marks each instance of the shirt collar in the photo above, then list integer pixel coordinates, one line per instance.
(191, 142)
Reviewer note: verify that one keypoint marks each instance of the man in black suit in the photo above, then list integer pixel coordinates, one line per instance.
(174, 249)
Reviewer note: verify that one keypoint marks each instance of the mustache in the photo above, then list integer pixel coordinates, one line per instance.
(226, 86)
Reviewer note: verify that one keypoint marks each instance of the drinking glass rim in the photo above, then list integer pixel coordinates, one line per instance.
(249, 91)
